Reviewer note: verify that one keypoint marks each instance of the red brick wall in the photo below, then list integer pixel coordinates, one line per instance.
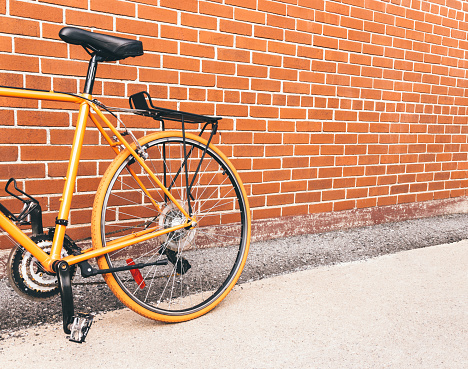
(328, 105)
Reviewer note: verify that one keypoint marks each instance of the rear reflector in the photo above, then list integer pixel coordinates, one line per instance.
(136, 275)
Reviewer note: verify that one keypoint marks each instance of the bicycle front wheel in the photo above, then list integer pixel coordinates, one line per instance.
(204, 262)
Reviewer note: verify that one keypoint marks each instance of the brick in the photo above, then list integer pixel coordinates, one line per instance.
(267, 59)
(6, 44)
(252, 71)
(114, 7)
(136, 27)
(181, 63)
(8, 153)
(217, 10)
(281, 21)
(19, 63)
(264, 112)
(265, 85)
(187, 5)
(197, 21)
(43, 118)
(271, 7)
(300, 12)
(36, 11)
(19, 170)
(250, 16)
(157, 14)
(83, 4)
(234, 110)
(87, 19)
(269, 163)
(40, 47)
(251, 43)
(238, 28)
(179, 33)
(327, 18)
(268, 32)
(202, 51)
(216, 38)
(232, 82)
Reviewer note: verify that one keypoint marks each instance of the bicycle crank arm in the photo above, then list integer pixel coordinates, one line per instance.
(88, 271)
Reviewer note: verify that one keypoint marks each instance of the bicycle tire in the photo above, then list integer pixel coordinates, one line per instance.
(215, 250)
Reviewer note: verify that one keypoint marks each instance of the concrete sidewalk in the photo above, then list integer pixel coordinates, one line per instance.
(405, 310)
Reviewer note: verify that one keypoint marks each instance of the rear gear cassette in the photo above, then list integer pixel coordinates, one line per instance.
(26, 274)
(181, 239)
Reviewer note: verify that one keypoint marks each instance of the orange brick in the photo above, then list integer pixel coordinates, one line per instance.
(83, 4)
(265, 85)
(159, 76)
(250, 16)
(216, 67)
(114, 7)
(136, 27)
(296, 88)
(36, 170)
(281, 21)
(268, 138)
(36, 11)
(43, 118)
(217, 10)
(179, 33)
(252, 71)
(232, 82)
(293, 113)
(233, 110)
(216, 38)
(181, 63)
(242, 56)
(198, 21)
(187, 5)
(272, 7)
(19, 63)
(300, 12)
(264, 112)
(197, 79)
(238, 28)
(202, 51)
(251, 4)
(159, 45)
(251, 43)
(40, 47)
(268, 32)
(157, 14)
(87, 19)
(5, 44)
(8, 153)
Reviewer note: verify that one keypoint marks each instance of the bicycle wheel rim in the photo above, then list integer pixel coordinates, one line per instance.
(228, 278)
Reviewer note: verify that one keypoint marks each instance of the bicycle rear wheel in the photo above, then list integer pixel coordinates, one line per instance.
(204, 262)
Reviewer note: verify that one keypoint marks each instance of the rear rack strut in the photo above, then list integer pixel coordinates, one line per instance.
(142, 102)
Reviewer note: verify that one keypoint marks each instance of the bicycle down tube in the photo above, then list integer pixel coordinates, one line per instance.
(85, 111)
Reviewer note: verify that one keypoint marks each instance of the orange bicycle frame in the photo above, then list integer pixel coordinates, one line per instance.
(86, 109)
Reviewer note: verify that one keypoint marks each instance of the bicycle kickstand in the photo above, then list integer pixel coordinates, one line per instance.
(77, 326)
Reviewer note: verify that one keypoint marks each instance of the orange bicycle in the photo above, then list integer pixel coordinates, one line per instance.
(170, 223)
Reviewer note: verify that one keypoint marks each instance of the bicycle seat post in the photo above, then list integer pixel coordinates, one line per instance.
(92, 68)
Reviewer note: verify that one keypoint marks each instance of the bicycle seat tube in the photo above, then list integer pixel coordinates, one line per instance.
(70, 179)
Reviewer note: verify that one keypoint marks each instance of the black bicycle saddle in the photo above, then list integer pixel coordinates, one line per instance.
(110, 48)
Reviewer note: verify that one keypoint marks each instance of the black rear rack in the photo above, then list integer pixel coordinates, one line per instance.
(142, 105)
(140, 102)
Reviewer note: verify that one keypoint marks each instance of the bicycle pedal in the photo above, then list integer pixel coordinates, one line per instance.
(81, 323)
